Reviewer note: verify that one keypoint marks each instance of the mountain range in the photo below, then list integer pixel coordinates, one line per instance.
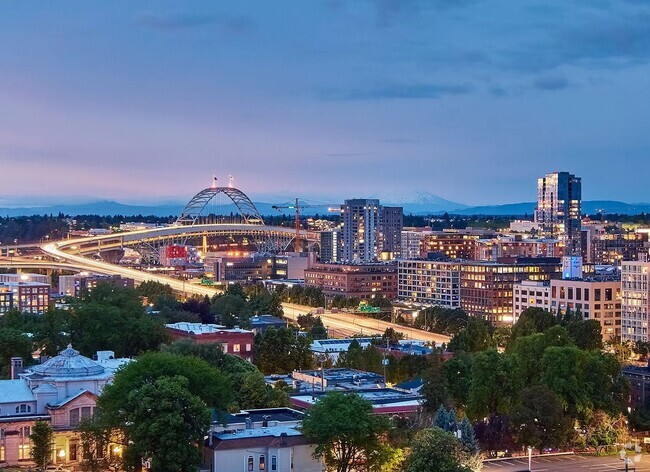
(417, 203)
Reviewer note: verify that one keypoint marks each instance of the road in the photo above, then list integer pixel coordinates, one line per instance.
(349, 324)
(569, 463)
(343, 324)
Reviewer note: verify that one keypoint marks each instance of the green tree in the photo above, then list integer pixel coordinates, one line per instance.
(539, 421)
(468, 437)
(153, 291)
(281, 350)
(434, 389)
(458, 379)
(110, 318)
(494, 386)
(603, 430)
(166, 423)
(587, 334)
(247, 383)
(52, 334)
(231, 310)
(562, 370)
(41, 438)
(13, 343)
(435, 450)
(531, 321)
(204, 381)
(345, 430)
(318, 330)
(527, 352)
(476, 336)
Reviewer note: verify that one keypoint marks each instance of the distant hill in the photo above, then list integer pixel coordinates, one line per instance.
(418, 203)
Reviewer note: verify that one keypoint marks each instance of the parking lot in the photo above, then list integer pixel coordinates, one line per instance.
(566, 463)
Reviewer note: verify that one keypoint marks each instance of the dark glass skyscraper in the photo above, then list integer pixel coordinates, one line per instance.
(559, 209)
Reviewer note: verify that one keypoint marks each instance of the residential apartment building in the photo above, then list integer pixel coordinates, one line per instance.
(530, 294)
(429, 282)
(449, 244)
(487, 287)
(516, 246)
(411, 241)
(26, 297)
(361, 218)
(365, 281)
(74, 285)
(613, 248)
(636, 299)
(480, 288)
(597, 298)
(559, 208)
(390, 232)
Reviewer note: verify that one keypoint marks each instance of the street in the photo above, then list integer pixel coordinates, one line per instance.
(566, 463)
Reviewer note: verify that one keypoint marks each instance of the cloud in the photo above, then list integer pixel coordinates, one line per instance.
(551, 83)
(176, 22)
(609, 40)
(397, 92)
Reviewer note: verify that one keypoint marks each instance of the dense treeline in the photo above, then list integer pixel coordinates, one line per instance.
(552, 377)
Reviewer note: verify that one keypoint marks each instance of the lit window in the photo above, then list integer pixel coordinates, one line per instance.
(23, 452)
(250, 463)
(262, 462)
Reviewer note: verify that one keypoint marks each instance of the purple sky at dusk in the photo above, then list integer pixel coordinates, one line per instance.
(471, 100)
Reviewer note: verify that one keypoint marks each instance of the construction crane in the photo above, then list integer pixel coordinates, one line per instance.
(297, 206)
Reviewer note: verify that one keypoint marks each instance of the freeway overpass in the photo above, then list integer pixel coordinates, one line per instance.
(69, 253)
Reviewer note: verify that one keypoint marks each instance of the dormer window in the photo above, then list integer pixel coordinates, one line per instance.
(23, 408)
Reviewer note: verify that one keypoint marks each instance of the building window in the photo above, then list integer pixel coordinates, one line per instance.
(23, 408)
(274, 463)
(262, 462)
(248, 347)
(250, 464)
(23, 452)
(74, 417)
(73, 451)
(86, 412)
(236, 347)
(25, 432)
(2, 453)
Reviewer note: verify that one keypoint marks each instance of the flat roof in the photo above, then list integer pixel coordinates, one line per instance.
(273, 431)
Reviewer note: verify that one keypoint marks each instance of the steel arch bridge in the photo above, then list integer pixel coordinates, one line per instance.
(197, 204)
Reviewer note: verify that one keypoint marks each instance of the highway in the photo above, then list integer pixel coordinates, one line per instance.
(340, 323)
(566, 463)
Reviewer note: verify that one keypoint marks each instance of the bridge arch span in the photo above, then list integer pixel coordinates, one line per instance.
(197, 204)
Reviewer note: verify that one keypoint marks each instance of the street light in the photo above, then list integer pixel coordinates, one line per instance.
(623, 454)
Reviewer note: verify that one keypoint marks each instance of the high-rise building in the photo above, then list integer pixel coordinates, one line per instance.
(330, 245)
(559, 208)
(636, 299)
(360, 229)
(391, 223)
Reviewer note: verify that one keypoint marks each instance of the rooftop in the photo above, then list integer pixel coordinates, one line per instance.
(15, 391)
(273, 431)
(201, 328)
(69, 363)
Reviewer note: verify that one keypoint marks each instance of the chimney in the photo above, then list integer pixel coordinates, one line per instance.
(249, 423)
(265, 421)
(16, 367)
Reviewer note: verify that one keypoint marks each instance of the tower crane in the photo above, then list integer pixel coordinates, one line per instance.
(297, 206)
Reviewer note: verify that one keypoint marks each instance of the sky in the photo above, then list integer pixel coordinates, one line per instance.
(471, 100)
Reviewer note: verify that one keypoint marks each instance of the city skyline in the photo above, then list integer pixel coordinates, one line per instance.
(140, 103)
